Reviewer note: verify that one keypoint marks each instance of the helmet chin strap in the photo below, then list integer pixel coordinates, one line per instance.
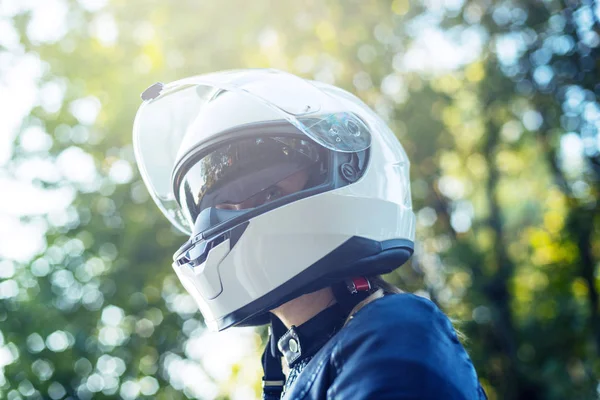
(347, 293)
(273, 379)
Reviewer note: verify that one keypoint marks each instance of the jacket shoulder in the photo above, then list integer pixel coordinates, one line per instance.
(401, 344)
(400, 310)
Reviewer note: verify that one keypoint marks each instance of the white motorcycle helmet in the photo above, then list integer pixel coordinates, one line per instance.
(284, 185)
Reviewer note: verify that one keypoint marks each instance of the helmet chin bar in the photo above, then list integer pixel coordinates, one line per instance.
(356, 257)
(197, 264)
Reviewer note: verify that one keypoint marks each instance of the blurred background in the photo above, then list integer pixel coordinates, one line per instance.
(496, 103)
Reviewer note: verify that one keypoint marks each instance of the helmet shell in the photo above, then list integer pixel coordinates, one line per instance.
(366, 227)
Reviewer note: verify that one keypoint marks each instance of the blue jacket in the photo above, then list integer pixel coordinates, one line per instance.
(398, 347)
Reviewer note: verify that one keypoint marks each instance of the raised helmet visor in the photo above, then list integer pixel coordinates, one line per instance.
(178, 117)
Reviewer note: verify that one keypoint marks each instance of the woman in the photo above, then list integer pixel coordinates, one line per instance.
(296, 198)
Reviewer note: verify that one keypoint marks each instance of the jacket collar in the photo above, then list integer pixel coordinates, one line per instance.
(301, 342)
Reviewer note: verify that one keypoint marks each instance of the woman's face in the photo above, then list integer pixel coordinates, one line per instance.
(292, 184)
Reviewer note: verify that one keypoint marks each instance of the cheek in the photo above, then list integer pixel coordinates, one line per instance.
(294, 183)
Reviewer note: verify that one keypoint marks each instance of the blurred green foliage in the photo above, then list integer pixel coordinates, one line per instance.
(503, 138)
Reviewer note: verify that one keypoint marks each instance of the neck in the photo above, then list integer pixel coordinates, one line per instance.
(301, 309)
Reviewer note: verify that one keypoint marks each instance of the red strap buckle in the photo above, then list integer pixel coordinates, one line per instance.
(358, 284)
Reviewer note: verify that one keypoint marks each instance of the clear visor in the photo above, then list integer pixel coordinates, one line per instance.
(193, 111)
